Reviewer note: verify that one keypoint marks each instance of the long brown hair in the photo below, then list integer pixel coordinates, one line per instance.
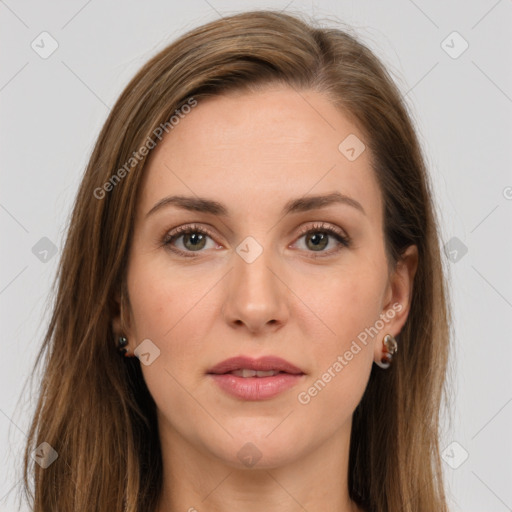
(94, 408)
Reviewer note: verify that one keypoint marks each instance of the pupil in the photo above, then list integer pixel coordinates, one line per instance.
(195, 239)
(320, 239)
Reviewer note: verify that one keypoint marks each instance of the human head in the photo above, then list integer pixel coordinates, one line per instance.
(237, 54)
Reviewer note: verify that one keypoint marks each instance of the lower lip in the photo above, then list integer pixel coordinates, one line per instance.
(256, 388)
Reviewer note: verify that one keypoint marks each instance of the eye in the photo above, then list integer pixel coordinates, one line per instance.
(317, 239)
(194, 239)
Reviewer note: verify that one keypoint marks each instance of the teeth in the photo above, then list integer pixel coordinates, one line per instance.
(254, 373)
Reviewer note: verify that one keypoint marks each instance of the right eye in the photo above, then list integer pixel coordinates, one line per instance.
(194, 239)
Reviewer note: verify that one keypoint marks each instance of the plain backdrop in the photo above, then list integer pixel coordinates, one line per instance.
(452, 62)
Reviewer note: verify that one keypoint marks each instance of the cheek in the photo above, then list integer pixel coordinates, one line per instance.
(172, 310)
(349, 305)
(151, 302)
(161, 297)
(345, 301)
(168, 311)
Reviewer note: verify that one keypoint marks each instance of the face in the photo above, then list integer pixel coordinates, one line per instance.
(250, 278)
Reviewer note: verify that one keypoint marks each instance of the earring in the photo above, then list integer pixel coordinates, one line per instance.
(390, 348)
(121, 344)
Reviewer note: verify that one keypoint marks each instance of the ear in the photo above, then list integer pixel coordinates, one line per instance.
(120, 318)
(397, 301)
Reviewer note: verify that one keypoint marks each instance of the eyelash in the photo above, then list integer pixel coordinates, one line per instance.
(169, 238)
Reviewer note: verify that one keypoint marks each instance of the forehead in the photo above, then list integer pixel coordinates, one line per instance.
(256, 150)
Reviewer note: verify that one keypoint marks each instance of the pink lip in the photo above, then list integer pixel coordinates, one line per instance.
(255, 388)
(265, 363)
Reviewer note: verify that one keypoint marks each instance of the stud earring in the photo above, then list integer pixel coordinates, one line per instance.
(390, 349)
(121, 344)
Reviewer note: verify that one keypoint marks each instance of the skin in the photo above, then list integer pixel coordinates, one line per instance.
(253, 152)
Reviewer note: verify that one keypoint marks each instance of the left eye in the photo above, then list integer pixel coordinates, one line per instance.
(318, 239)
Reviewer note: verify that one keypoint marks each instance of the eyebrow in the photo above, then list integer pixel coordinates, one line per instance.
(301, 204)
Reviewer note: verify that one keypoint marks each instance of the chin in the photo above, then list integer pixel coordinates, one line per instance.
(257, 450)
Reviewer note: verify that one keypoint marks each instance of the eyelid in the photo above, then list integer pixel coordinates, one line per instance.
(185, 228)
(323, 226)
(181, 230)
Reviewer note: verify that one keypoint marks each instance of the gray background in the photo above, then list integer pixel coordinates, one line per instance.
(53, 108)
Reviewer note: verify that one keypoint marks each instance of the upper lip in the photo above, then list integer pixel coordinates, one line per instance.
(265, 363)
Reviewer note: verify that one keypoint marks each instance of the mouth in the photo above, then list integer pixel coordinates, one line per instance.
(244, 366)
(246, 372)
(255, 379)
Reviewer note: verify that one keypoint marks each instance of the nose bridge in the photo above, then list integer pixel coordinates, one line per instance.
(255, 294)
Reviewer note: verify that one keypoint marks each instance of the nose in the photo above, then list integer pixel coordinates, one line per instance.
(256, 296)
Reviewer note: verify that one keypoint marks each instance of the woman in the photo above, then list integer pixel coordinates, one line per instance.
(255, 229)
